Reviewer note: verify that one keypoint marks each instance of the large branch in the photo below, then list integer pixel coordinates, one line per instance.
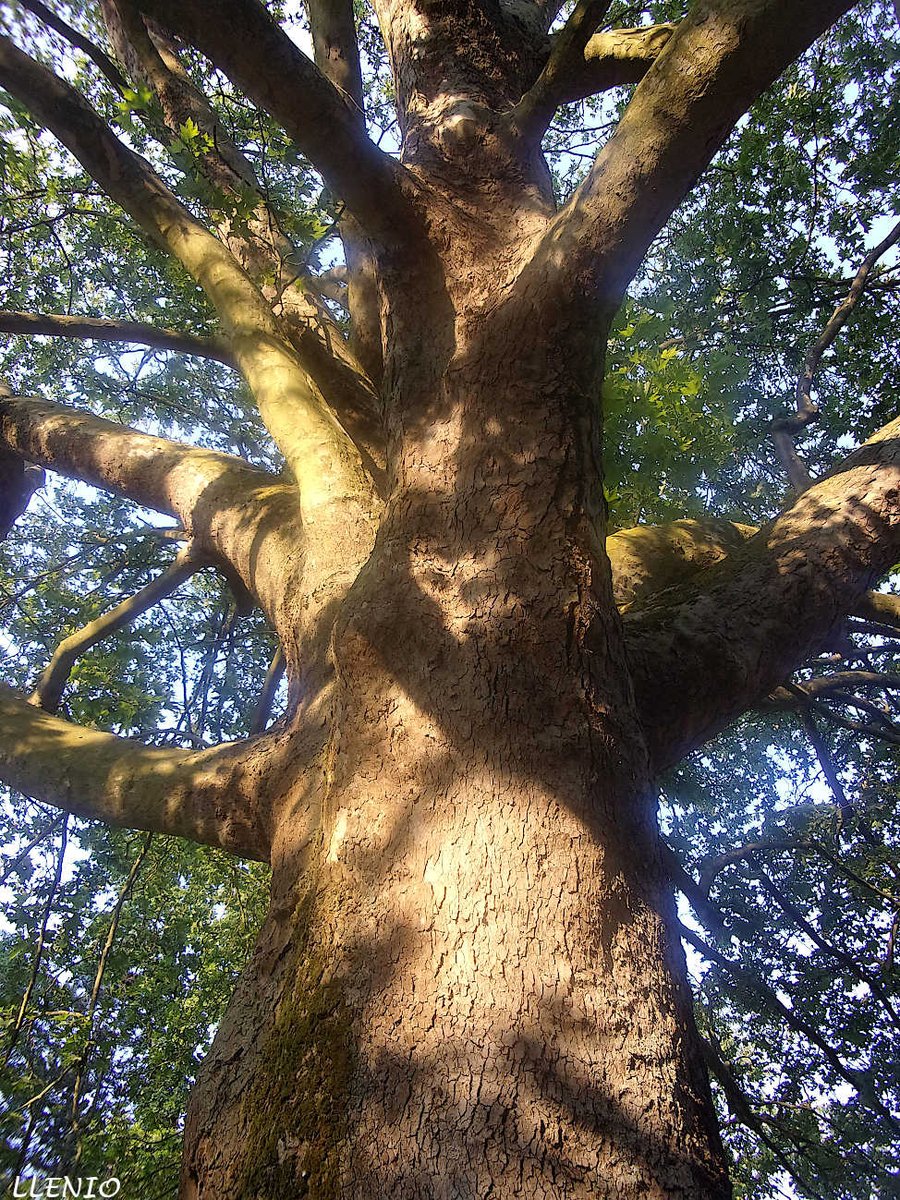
(208, 796)
(103, 329)
(247, 44)
(258, 242)
(324, 459)
(332, 24)
(720, 58)
(245, 517)
(647, 559)
(707, 651)
(650, 558)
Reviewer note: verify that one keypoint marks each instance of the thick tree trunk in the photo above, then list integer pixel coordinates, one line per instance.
(470, 985)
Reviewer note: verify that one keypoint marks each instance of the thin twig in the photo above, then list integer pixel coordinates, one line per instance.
(42, 940)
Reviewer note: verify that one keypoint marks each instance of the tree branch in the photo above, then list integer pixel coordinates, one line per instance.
(170, 477)
(838, 320)
(740, 1106)
(785, 429)
(535, 110)
(882, 607)
(97, 56)
(824, 685)
(650, 558)
(259, 244)
(18, 483)
(718, 60)
(789, 1016)
(336, 53)
(80, 1066)
(336, 49)
(707, 651)
(208, 796)
(49, 689)
(245, 43)
(615, 58)
(699, 900)
(610, 59)
(240, 514)
(833, 951)
(103, 329)
(41, 942)
(323, 458)
(273, 678)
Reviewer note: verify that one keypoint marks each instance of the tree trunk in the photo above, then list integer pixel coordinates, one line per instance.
(470, 985)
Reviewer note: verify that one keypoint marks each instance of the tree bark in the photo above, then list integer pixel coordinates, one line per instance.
(470, 982)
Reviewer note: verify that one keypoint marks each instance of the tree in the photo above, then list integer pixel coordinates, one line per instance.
(469, 978)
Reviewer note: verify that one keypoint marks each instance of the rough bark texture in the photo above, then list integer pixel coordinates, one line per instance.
(470, 981)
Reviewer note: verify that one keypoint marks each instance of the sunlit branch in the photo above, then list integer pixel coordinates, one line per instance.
(720, 643)
(49, 689)
(615, 58)
(150, 59)
(208, 796)
(650, 558)
(156, 472)
(332, 285)
(103, 329)
(718, 60)
(823, 685)
(881, 607)
(244, 516)
(258, 241)
(322, 456)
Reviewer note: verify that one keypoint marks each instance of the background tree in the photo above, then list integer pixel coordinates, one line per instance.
(468, 971)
